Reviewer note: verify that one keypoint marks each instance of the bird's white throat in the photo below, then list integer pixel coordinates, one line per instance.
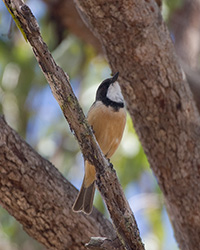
(114, 93)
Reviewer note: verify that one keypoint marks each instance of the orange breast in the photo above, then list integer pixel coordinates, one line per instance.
(108, 127)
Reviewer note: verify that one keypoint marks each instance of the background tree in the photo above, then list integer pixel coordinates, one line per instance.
(126, 173)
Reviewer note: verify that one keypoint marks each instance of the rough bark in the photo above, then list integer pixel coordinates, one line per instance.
(40, 198)
(107, 181)
(138, 45)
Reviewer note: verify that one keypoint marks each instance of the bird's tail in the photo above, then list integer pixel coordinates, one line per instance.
(84, 200)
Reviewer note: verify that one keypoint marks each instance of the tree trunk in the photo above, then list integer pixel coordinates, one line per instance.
(138, 45)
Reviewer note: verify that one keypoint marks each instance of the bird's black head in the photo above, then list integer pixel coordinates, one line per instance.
(109, 93)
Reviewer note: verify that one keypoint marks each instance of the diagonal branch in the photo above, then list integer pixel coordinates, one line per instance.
(107, 181)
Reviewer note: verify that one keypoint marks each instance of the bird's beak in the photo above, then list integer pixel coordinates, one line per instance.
(114, 78)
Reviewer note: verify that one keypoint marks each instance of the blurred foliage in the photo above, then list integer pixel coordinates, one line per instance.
(29, 107)
(169, 6)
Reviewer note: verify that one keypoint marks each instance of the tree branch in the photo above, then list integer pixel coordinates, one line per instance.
(107, 181)
(40, 198)
(159, 100)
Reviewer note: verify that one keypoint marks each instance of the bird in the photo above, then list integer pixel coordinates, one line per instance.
(107, 117)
